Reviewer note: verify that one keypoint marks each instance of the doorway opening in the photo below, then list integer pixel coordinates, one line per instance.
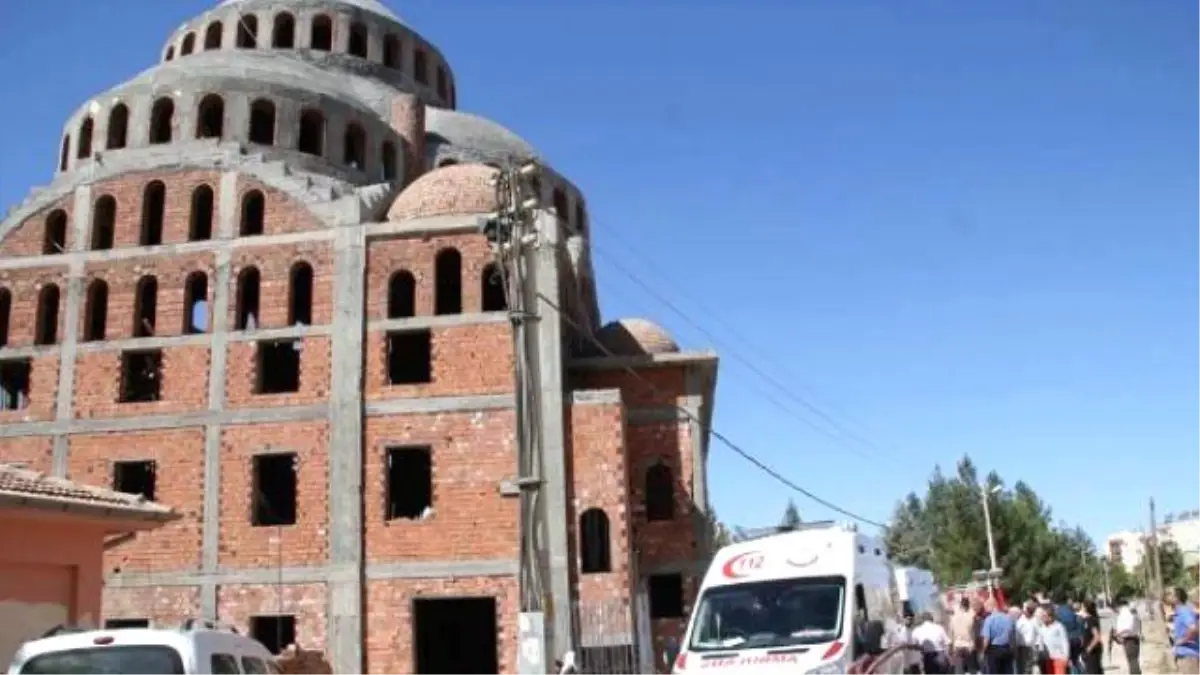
(455, 635)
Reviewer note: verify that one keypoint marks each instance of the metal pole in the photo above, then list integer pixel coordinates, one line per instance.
(1108, 596)
(1158, 578)
(991, 540)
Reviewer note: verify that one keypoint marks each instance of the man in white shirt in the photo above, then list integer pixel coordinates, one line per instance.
(1129, 634)
(1027, 638)
(934, 642)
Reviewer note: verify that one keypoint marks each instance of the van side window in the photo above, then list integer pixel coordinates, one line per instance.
(254, 665)
(224, 664)
(860, 601)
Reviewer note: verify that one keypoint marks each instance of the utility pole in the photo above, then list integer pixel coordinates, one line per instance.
(1108, 596)
(513, 238)
(985, 494)
(1158, 578)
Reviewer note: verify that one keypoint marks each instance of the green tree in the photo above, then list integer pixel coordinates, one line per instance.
(1174, 571)
(791, 516)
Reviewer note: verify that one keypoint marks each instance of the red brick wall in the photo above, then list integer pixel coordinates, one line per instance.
(236, 604)
(467, 360)
(27, 238)
(652, 386)
(98, 384)
(163, 605)
(43, 392)
(417, 255)
(122, 278)
(36, 452)
(662, 541)
(241, 376)
(25, 285)
(274, 268)
(282, 214)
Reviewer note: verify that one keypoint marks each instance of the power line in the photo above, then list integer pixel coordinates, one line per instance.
(708, 427)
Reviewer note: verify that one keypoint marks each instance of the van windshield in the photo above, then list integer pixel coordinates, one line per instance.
(114, 660)
(769, 614)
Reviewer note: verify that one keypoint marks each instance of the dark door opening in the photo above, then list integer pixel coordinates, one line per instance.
(455, 635)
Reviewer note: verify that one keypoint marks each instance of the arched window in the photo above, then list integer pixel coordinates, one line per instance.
(212, 35)
(447, 162)
(594, 554)
(170, 53)
(189, 43)
(95, 314)
(284, 35)
(357, 44)
(5, 315)
(354, 148)
(391, 51)
(201, 224)
(312, 133)
(64, 155)
(580, 216)
(262, 122)
(420, 66)
(448, 282)
(145, 307)
(560, 204)
(162, 118)
(492, 292)
(46, 330)
(118, 127)
(247, 32)
(247, 300)
(387, 157)
(154, 199)
(195, 303)
(54, 239)
(210, 117)
(104, 223)
(253, 213)
(402, 295)
(321, 37)
(660, 493)
(300, 295)
(442, 90)
(85, 138)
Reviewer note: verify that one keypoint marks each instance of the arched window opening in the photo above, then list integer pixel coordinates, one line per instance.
(262, 122)
(300, 295)
(170, 53)
(312, 133)
(354, 147)
(402, 295)
(195, 304)
(64, 155)
(247, 300)
(284, 35)
(162, 117)
(85, 138)
(420, 66)
(254, 207)
(154, 199)
(201, 225)
(391, 51)
(145, 307)
(448, 282)
(189, 43)
(321, 37)
(210, 118)
(118, 127)
(212, 35)
(95, 314)
(387, 157)
(560, 204)
(447, 162)
(54, 239)
(247, 32)
(594, 554)
(46, 330)
(660, 493)
(358, 40)
(104, 223)
(580, 216)
(492, 291)
(442, 90)
(5, 315)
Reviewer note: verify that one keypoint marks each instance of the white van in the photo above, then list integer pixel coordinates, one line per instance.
(920, 593)
(803, 601)
(196, 647)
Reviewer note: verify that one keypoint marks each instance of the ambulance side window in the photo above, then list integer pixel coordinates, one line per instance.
(860, 601)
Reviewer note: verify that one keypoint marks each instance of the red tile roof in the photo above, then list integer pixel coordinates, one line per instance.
(21, 484)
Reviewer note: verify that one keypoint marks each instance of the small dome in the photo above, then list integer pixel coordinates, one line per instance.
(458, 189)
(487, 139)
(634, 337)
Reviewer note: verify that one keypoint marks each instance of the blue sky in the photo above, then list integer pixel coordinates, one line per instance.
(953, 227)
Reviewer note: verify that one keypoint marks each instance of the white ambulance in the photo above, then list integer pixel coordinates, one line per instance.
(810, 600)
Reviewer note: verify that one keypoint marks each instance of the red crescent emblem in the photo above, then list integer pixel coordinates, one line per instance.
(742, 565)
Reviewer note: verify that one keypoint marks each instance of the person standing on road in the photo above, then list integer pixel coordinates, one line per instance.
(1184, 633)
(1026, 639)
(1093, 640)
(997, 632)
(1129, 635)
(1055, 642)
(934, 642)
(962, 638)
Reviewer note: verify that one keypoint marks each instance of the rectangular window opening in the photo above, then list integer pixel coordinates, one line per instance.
(135, 477)
(275, 633)
(277, 367)
(410, 357)
(666, 596)
(274, 495)
(14, 383)
(141, 376)
(409, 483)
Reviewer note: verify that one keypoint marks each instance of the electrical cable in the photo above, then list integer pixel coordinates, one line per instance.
(742, 452)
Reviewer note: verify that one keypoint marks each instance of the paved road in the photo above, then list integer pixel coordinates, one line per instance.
(1155, 656)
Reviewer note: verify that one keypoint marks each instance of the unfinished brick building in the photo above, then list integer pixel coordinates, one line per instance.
(256, 291)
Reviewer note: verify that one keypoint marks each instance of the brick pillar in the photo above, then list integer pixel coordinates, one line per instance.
(408, 120)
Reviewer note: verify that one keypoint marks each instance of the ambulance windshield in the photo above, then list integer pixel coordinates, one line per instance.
(770, 614)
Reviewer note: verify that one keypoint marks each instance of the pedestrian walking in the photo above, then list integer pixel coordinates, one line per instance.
(1027, 638)
(998, 632)
(934, 643)
(962, 638)
(1055, 642)
(1184, 637)
(1128, 633)
(1092, 656)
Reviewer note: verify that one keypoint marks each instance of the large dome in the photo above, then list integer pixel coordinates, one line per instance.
(460, 189)
(636, 337)
(369, 5)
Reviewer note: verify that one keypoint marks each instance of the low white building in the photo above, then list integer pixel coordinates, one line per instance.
(1128, 547)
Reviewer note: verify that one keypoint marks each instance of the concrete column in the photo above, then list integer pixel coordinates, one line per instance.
(695, 381)
(64, 405)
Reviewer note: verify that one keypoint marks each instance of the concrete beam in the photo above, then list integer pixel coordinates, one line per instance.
(431, 569)
(596, 397)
